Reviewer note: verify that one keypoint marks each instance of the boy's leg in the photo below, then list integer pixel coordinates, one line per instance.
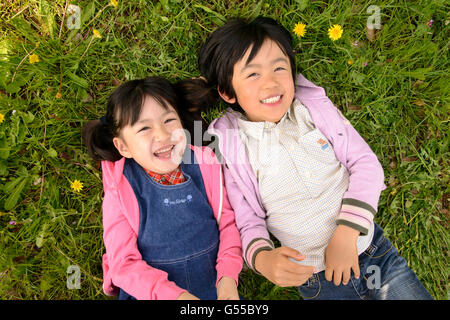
(319, 288)
(385, 275)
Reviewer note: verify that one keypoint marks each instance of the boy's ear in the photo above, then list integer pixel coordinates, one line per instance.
(225, 97)
(121, 147)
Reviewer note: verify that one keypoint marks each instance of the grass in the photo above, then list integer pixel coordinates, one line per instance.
(395, 92)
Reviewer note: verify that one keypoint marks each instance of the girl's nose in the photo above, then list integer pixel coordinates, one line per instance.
(160, 133)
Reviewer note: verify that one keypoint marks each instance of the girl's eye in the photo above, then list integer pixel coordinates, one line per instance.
(280, 69)
(144, 128)
(169, 120)
(254, 74)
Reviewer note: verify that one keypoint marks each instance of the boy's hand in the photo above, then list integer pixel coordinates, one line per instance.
(187, 296)
(227, 289)
(341, 255)
(277, 268)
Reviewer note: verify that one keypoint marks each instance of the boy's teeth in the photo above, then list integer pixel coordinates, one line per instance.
(271, 100)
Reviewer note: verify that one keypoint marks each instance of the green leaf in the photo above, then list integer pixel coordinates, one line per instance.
(87, 13)
(419, 73)
(208, 10)
(52, 153)
(28, 117)
(77, 80)
(16, 85)
(15, 195)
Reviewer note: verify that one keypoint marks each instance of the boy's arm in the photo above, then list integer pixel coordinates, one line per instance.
(366, 181)
(252, 228)
(366, 175)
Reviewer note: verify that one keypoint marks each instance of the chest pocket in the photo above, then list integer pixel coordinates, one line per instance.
(323, 165)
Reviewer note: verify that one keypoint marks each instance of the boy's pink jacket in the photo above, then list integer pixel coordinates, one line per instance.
(122, 263)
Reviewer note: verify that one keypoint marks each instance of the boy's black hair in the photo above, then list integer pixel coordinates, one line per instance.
(224, 48)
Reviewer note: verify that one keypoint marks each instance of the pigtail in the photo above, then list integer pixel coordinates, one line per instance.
(98, 138)
(196, 94)
(195, 97)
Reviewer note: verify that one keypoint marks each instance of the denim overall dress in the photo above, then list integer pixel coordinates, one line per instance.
(177, 232)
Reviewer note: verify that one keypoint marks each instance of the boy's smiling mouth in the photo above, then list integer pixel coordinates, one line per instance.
(272, 100)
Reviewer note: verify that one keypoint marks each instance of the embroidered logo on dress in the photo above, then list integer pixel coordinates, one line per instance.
(167, 202)
(323, 144)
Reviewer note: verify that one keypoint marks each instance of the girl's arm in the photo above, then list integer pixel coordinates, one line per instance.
(125, 265)
(229, 257)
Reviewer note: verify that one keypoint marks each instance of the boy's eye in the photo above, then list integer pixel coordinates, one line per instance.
(279, 69)
(254, 74)
(169, 120)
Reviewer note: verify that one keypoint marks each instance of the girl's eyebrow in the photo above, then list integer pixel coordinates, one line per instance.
(256, 65)
(152, 119)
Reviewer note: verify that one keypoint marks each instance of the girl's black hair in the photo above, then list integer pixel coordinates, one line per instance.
(223, 49)
(123, 108)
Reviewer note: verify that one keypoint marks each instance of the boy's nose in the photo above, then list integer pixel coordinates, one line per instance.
(270, 81)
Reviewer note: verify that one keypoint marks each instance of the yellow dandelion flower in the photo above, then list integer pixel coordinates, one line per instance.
(335, 32)
(300, 29)
(76, 185)
(2, 117)
(58, 95)
(114, 3)
(33, 58)
(96, 34)
(350, 61)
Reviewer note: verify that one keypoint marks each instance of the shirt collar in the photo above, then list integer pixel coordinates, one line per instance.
(256, 129)
(174, 177)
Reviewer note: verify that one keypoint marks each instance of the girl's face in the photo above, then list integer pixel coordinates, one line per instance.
(264, 87)
(156, 141)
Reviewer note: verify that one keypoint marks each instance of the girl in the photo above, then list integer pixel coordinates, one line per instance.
(294, 166)
(169, 231)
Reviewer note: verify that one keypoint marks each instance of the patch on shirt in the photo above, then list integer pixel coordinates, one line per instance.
(323, 144)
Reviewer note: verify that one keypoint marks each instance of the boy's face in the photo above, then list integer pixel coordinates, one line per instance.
(264, 87)
(156, 141)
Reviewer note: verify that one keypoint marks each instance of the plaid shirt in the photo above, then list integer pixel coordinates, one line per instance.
(171, 178)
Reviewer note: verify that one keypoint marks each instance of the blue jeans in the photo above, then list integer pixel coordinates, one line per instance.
(384, 275)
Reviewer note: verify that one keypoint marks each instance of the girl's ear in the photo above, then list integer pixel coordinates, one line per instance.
(121, 146)
(225, 97)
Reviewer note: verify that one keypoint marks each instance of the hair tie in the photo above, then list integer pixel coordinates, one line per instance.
(104, 121)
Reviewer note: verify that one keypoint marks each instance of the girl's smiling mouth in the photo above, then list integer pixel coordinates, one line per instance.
(164, 153)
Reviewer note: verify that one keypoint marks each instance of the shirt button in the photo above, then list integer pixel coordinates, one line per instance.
(163, 179)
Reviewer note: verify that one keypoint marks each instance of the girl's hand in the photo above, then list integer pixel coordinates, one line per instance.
(341, 255)
(227, 289)
(187, 296)
(277, 268)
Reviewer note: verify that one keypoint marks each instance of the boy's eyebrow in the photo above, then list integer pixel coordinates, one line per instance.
(256, 65)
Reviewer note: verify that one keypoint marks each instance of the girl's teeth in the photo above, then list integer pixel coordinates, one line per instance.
(271, 100)
(164, 150)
